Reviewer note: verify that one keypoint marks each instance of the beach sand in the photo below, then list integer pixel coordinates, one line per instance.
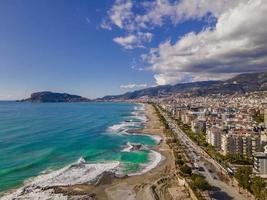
(154, 184)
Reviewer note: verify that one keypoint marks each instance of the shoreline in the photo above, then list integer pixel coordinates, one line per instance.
(138, 186)
(135, 186)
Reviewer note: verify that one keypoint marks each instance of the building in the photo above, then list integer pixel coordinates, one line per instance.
(213, 137)
(260, 162)
(243, 144)
(198, 125)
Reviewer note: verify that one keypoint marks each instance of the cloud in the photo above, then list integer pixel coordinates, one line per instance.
(235, 45)
(234, 42)
(87, 20)
(154, 13)
(134, 86)
(121, 12)
(134, 40)
(123, 15)
(105, 25)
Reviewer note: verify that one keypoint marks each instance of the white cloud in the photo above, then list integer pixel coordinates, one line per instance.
(87, 20)
(134, 86)
(155, 12)
(237, 44)
(134, 40)
(121, 12)
(105, 25)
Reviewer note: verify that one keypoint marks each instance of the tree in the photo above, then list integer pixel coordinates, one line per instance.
(258, 188)
(201, 184)
(243, 176)
(179, 162)
(186, 170)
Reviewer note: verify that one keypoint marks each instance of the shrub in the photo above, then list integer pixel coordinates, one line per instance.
(186, 170)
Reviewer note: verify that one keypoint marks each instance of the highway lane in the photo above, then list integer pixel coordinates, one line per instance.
(222, 190)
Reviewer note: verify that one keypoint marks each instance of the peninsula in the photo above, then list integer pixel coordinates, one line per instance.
(47, 96)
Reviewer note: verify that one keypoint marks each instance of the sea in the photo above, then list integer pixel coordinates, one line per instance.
(46, 144)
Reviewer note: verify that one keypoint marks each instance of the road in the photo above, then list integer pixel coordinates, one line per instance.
(208, 167)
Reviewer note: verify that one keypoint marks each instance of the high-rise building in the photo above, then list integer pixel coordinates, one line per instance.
(240, 144)
(213, 137)
(260, 162)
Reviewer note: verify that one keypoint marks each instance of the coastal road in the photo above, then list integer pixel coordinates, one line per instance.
(207, 166)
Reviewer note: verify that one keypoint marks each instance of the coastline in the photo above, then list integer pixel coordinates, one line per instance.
(140, 187)
(134, 186)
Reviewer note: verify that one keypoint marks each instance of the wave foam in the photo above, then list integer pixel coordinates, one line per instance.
(77, 173)
(155, 159)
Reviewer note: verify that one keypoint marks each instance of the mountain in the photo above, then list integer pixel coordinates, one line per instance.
(240, 84)
(47, 96)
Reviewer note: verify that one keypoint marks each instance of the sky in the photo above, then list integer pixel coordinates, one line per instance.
(95, 48)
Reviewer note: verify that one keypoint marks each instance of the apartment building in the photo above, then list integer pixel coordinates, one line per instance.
(260, 162)
(213, 137)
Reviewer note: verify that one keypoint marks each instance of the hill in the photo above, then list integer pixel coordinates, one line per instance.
(47, 96)
(242, 83)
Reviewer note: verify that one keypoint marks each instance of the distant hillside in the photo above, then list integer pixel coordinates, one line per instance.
(54, 97)
(242, 83)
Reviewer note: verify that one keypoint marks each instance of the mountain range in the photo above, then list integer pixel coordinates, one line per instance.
(240, 84)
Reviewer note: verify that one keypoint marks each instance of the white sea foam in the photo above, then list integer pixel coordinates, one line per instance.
(77, 173)
(155, 159)
(34, 193)
(157, 138)
(134, 147)
(127, 148)
(130, 123)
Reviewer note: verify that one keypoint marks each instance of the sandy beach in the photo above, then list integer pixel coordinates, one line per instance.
(154, 184)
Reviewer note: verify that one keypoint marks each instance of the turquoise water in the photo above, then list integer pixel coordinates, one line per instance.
(48, 136)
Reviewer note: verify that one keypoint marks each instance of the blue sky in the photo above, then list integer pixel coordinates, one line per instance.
(96, 48)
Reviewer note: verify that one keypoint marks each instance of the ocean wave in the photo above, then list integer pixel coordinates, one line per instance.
(155, 159)
(77, 173)
(134, 147)
(36, 193)
(133, 121)
(157, 138)
(123, 126)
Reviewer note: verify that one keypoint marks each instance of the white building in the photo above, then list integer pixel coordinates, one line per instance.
(260, 162)
(213, 137)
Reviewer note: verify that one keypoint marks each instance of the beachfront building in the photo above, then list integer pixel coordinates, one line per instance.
(213, 137)
(260, 162)
(237, 143)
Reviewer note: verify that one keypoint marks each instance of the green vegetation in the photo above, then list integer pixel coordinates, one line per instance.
(199, 183)
(167, 130)
(186, 170)
(179, 162)
(196, 182)
(258, 188)
(258, 117)
(238, 159)
(243, 176)
(254, 184)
